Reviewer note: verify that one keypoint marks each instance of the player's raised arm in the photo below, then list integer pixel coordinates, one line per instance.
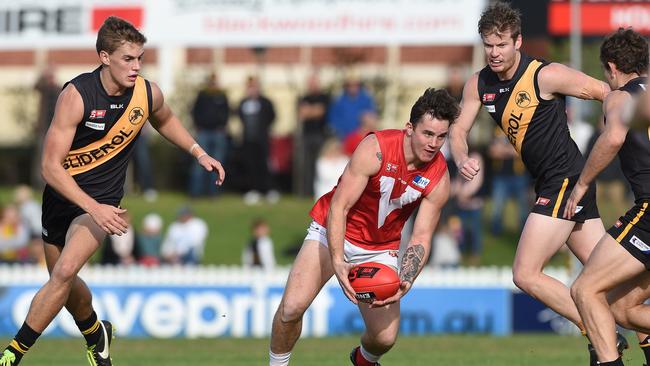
(58, 141)
(616, 109)
(167, 123)
(459, 130)
(365, 162)
(556, 78)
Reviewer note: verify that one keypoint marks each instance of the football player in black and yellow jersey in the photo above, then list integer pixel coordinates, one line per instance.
(97, 119)
(620, 262)
(526, 98)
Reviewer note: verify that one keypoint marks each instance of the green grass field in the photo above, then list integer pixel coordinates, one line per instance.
(520, 350)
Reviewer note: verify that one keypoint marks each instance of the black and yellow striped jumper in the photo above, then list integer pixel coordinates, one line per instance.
(101, 149)
(632, 230)
(538, 130)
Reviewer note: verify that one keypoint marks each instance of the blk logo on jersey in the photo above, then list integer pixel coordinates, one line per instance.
(97, 113)
(421, 181)
(489, 97)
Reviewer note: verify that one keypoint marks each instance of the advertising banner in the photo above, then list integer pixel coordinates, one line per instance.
(247, 311)
(243, 23)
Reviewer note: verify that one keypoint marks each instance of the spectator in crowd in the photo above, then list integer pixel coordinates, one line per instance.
(259, 251)
(184, 242)
(612, 187)
(48, 90)
(455, 82)
(142, 159)
(369, 123)
(329, 167)
(30, 214)
(14, 236)
(580, 130)
(150, 240)
(445, 252)
(345, 112)
(257, 114)
(210, 114)
(312, 119)
(121, 249)
(509, 179)
(469, 208)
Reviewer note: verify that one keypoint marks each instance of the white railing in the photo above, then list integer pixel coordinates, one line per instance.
(16, 274)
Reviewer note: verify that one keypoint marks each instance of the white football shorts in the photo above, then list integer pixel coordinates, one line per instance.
(351, 252)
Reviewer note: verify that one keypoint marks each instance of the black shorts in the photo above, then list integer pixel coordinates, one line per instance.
(552, 197)
(58, 214)
(632, 231)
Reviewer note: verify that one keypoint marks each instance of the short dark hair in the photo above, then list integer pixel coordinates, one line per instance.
(115, 32)
(499, 18)
(626, 49)
(438, 104)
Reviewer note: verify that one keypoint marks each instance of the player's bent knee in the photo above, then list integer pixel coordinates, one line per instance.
(384, 340)
(524, 280)
(620, 310)
(291, 311)
(64, 274)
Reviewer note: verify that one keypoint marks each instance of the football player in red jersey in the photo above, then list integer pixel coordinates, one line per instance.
(390, 174)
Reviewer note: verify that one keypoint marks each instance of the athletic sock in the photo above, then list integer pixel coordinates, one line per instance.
(616, 362)
(281, 359)
(90, 328)
(365, 358)
(24, 339)
(645, 347)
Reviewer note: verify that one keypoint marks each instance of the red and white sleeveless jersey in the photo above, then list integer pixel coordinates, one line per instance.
(376, 220)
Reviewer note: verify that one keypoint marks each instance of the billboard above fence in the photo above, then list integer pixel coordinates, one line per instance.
(206, 23)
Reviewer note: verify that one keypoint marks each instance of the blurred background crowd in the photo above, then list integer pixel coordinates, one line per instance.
(284, 121)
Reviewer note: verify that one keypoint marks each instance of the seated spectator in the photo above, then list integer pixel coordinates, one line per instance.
(120, 249)
(30, 214)
(14, 236)
(445, 251)
(184, 241)
(329, 166)
(259, 252)
(150, 240)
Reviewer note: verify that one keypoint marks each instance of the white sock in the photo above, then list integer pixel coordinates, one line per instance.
(368, 356)
(279, 360)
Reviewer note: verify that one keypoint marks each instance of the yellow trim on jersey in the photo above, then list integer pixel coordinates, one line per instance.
(560, 195)
(521, 106)
(118, 137)
(634, 221)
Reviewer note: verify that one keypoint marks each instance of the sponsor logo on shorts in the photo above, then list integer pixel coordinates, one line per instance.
(578, 209)
(44, 231)
(541, 201)
(491, 108)
(618, 223)
(95, 126)
(421, 181)
(639, 244)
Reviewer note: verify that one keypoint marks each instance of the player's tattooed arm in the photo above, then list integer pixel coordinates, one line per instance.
(412, 262)
(379, 156)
